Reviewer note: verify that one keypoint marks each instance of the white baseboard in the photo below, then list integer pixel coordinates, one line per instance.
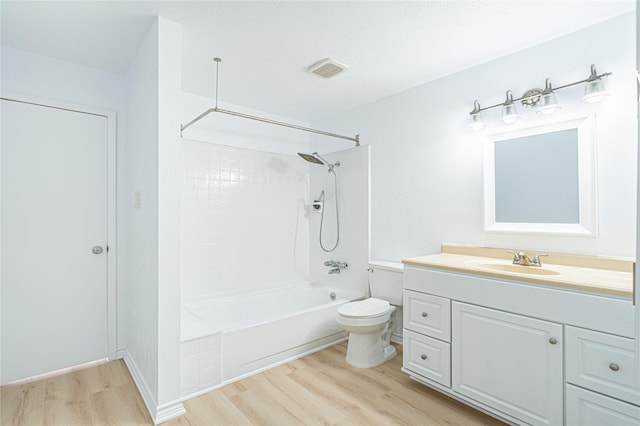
(158, 413)
(169, 411)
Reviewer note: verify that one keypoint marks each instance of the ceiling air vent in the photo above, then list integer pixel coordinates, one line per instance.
(327, 68)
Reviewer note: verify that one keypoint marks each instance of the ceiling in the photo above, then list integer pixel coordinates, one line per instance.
(389, 46)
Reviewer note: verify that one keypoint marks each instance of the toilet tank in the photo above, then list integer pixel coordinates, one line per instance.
(385, 281)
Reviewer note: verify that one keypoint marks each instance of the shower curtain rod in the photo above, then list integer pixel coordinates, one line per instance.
(355, 139)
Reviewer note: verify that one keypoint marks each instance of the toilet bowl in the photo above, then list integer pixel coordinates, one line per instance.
(371, 322)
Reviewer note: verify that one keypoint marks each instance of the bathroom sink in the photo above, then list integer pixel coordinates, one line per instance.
(529, 270)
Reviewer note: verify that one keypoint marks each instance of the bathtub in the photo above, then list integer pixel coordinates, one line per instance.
(226, 339)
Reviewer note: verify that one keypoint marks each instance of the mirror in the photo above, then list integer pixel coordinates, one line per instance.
(542, 179)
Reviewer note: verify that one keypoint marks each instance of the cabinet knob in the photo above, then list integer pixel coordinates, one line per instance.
(553, 340)
(424, 315)
(614, 367)
(423, 356)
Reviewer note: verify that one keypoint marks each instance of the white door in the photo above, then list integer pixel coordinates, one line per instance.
(509, 362)
(54, 213)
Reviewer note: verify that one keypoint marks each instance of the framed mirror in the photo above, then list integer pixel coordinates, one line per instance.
(542, 179)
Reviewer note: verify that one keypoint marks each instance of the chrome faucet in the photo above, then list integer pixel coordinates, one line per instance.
(336, 265)
(521, 258)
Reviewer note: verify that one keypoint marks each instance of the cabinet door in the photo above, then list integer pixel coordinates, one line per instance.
(585, 408)
(509, 362)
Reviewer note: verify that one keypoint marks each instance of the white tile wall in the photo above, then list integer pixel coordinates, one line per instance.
(244, 224)
(200, 364)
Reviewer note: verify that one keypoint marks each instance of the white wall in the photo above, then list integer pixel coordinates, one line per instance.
(637, 276)
(152, 302)
(141, 299)
(426, 166)
(353, 207)
(169, 82)
(44, 77)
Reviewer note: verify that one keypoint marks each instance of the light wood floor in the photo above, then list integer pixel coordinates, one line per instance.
(319, 389)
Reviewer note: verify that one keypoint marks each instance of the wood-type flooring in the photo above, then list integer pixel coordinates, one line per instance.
(318, 389)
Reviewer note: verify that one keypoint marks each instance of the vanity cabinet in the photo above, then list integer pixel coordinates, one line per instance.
(510, 362)
(527, 354)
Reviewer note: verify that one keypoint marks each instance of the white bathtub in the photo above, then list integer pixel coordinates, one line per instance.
(226, 339)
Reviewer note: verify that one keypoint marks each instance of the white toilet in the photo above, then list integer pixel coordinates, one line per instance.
(371, 322)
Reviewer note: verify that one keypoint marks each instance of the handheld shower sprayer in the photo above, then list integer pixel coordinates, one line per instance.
(318, 205)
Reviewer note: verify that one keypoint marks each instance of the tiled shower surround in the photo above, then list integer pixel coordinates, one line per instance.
(244, 223)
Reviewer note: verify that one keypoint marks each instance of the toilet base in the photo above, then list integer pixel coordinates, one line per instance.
(368, 350)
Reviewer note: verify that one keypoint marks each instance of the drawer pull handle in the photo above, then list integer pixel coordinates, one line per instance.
(423, 356)
(553, 340)
(424, 315)
(614, 367)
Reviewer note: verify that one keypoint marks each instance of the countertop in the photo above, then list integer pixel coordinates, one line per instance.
(595, 274)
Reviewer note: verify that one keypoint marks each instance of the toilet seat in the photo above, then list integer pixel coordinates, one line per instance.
(368, 308)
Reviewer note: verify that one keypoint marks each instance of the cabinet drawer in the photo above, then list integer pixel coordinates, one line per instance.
(603, 363)
(426, 314)
(586, 408)
(430, 358)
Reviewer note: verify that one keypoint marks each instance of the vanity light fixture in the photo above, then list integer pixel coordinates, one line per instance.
(475, 122)
(545, 99)
(548, 102)
(594, 89)
(509, 112)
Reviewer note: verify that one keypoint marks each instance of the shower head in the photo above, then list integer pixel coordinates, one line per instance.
(311, 158)
(315, 158)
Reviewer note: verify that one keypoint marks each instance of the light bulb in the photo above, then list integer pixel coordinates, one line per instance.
(509, 111)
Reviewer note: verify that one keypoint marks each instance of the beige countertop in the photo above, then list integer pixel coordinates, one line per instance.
(586, 273)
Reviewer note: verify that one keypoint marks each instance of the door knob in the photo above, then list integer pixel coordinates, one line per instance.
(96, 250)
